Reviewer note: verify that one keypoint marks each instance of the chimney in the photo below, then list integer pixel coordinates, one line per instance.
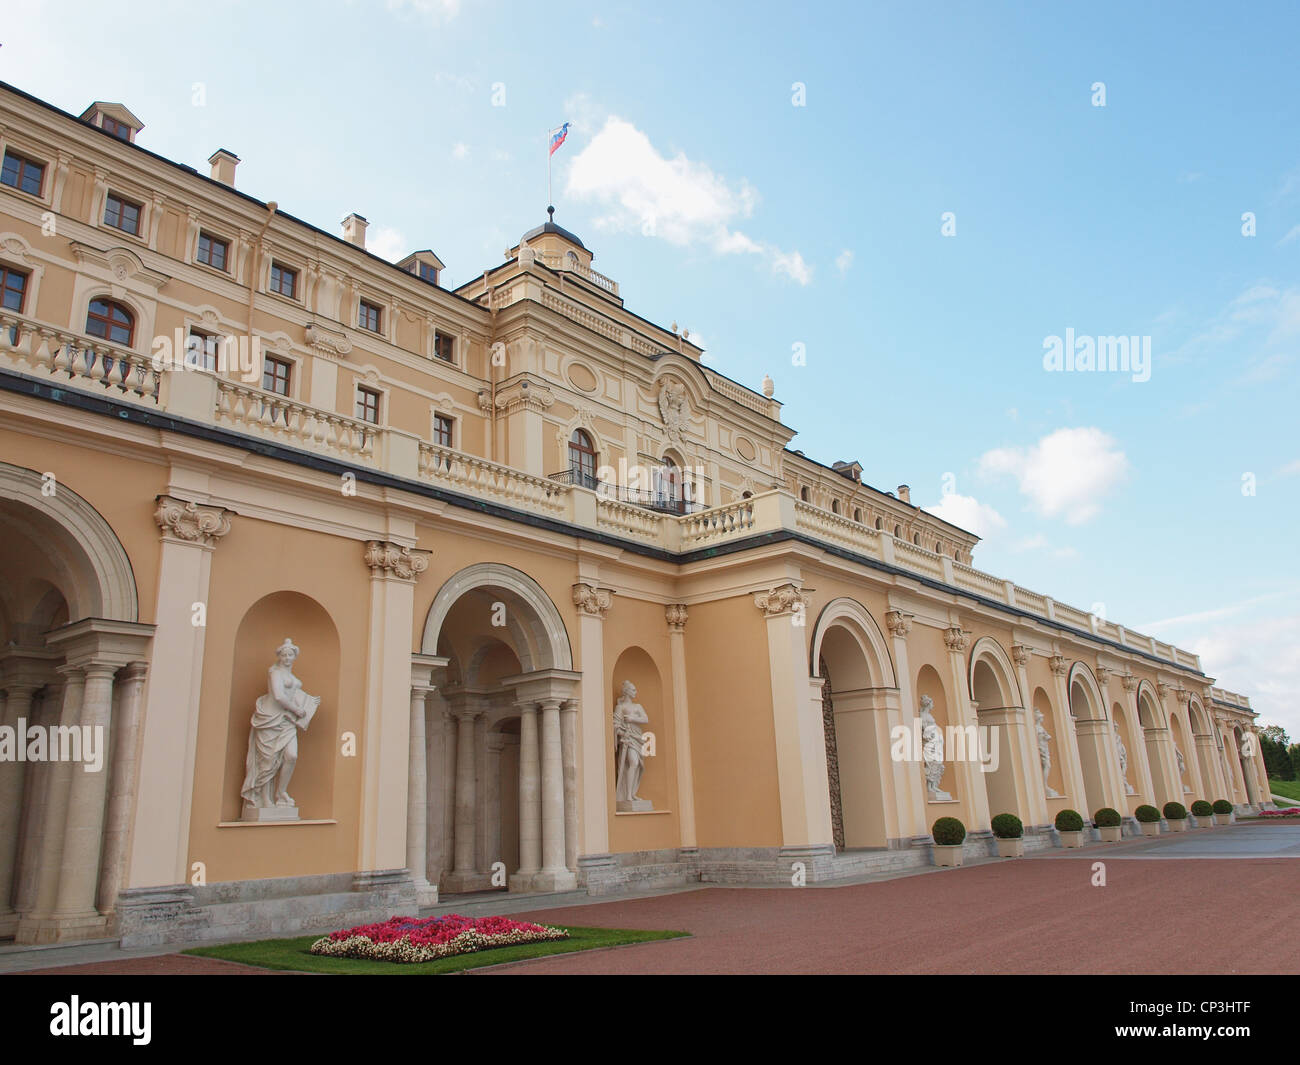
(905, 493)
(223, 166)
(354, 229)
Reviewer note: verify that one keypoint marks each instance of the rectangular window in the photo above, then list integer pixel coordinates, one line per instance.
(201, 350)
(275, 376)
(213, 251)
(284, 280)
(13, 288)
(429, 273)
(22, 173)
(122, 214)
(368, 405)
(368, 317)
(442, 430)
(116, 128)
(443, 347)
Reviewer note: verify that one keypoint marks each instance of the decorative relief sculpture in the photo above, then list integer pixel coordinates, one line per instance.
(629, 758)
(932, 751)
(1045, 753)
(273, 743)
(673, 410)
(1123, 759)
(1182, 767)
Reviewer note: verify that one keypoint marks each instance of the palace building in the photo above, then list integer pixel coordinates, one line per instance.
(476, 514)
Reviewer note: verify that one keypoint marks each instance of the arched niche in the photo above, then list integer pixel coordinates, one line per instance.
(636, 665)
(264, 626)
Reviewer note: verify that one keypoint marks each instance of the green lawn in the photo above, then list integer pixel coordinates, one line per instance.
(1289, 788)
(293, 953)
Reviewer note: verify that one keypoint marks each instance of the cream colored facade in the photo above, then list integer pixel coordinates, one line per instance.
(468, 610)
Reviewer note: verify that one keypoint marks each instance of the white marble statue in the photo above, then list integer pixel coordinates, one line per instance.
(629, 759)
(273, 743)
(1182, 767)
(1123, 759)
(932, 751)
(1045, 753)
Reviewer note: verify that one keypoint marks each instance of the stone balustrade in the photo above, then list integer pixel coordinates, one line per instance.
(44, 352)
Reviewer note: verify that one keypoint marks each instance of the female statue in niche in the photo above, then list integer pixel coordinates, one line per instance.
(1045, 753)
(932, 751)
(629, 759)
(273, 742)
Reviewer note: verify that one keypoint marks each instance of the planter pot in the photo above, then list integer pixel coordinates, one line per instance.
(1150, 828)
(1071, 840)
(1177, 824)
(947, 856)
(1223, 819)
(1011, 848)
(1111, 835)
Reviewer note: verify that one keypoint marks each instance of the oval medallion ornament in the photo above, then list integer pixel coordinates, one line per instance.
(581, 378)
(745, 449)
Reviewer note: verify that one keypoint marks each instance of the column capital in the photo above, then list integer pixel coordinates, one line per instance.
(900, 624)
(592, 601)
(675, 615)
(184, 521)
(1059, 664)
(463, 713)
(956, 639)
(1183, 695)
(1021, 653)
(1165, 689)
(780, 600)
(1103, 675)
(389, 560)
(1129, 681)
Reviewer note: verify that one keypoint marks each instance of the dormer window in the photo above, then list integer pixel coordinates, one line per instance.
(113, 119)
(118, 129)
(428, 273)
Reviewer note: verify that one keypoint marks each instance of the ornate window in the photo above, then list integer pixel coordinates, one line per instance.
(369, 316)
(275, 376)
(368, 405)
(110, 321)
(582, 459)
(284, 280)
(442, 426)
(213, 251)
(444, 347)
(13, 289)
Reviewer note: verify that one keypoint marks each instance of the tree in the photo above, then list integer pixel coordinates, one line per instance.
(1277, 759)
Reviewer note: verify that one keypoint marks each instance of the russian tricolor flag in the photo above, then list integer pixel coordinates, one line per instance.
(557, 137)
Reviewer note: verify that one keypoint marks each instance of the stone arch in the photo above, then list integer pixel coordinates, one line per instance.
(989, 652)
(1042, 703)
(1149, 710)
(541, 640)
(858, 688)
(1091, 724)
(856, 619)
(101, 581)
(1247, 770)
(993, 689)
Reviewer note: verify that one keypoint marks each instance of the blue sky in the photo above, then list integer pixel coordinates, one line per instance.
(717, 202)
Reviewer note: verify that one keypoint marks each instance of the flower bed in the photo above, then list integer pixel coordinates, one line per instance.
(1285, 811)
(419, 939)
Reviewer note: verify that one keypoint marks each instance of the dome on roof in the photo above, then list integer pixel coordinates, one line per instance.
(550, 227)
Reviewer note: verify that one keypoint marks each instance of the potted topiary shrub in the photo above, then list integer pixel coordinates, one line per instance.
(1222, 812)
(1202, 811)
(1070, 825)
(1176, 816)
(1149, 818)
(1009, 832)
(948, 833)
(1109, 823)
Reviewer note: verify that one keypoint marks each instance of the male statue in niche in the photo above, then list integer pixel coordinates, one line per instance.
(273, 741)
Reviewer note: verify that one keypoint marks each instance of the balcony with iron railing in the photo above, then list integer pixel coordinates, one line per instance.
(668, 520)
(674, 499)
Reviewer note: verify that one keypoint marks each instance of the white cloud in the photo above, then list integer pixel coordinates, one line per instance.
(386, 242)
(460, 150)
(1066, 474)
(968, 513)
(1291, 469)
(1261, 660)
(675, 199)
(843, 261)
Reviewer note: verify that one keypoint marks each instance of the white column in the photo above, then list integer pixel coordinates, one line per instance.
(121, 791)
(465, 876)
(39, 791)
(492, 807)
(1137, 754)
(1035, 784)
(18, 707)
(83, 834)
(1067, 745)
(569, 758)
(530, 801)
(417, 813)
(970, 780)
(675, 613)
(554, 875)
